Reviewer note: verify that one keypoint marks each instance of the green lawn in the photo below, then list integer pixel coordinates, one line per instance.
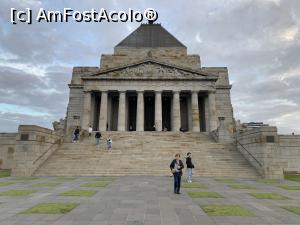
(273, 196)
(287, 187)
(228, 181)
(79, 193)
(105, 179)
(193, 185)
(268, 181)
(4, 173)
(97, 185)
(49, 184)
(204, 194)
(17, 192)
(293, 209)
(3, 184)
(292, 177)
(51, 208)
(225, 210)
(242, 186)
(65, 178)
(24, 178)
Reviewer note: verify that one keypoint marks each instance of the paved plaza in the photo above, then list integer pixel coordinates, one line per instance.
(145, 201)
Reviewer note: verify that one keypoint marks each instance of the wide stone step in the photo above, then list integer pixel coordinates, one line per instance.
(145, 153)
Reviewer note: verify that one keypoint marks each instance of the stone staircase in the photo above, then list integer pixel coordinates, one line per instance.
(146, 153)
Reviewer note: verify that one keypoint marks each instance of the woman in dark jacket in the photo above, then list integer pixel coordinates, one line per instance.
(189, 166)
(176, 167)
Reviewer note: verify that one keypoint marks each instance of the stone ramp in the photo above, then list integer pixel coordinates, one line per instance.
(146, 153)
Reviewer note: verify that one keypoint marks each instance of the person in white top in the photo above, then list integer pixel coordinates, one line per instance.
(109, 143)
(90, 131)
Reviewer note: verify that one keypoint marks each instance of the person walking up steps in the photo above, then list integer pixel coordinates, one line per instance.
(109, 143)
(97, 137)
(190, 167)
(90, 131)
(76, 135)
(176, 167)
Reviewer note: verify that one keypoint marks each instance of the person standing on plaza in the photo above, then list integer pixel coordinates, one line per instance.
(176, 167)
(97, 137)
(190, 167)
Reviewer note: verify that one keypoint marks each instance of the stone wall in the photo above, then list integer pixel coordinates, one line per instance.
(271, 154)
(175, 56)
(75, 109)
(33, 146)
(7, 150)
(223, 98)
(290, 151)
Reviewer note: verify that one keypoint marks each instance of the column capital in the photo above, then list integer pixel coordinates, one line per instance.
(140, 92)
(122, 92)
(176, 92)
(195, 92)
(159, 92)
(87, 91)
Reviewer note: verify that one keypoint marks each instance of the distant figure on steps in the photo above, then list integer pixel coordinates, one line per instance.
(190, 166)
(97, 137)
(109, 143)
(76, 135)
(176, 167)
(90, 131)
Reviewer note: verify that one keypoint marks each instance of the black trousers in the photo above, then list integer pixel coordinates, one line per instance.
(177, 182)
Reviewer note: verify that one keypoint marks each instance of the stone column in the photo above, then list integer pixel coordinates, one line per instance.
(103, 112)
(86, 115)
(140, 111)
(158, 111)
(213, 123)
(121, 115)
(176, 111)
(195, 112)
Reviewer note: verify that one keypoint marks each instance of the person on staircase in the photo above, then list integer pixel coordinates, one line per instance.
(109, 143)
(97, 137)
(76, 135)
(176, 167)
(190, 166)
(90, 131)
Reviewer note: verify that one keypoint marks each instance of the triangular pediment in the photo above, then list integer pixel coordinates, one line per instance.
(151, 69)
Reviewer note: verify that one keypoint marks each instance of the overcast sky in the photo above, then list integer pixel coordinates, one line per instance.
(258, 40)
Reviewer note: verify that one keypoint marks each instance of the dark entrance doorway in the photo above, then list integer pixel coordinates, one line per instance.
(166, 112)
(96, 99)
(184, 112)
(114, 112)
(149, 115)
(201, 105)
(132, 112)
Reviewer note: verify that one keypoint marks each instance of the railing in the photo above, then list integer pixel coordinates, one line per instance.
(258, 162)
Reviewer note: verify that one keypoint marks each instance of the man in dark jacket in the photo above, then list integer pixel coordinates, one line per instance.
(176, 167)
(97, 137)
(76, 134)
(189, 166)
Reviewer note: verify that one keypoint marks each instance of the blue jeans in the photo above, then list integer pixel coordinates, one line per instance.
(177, 181)
(97, 141)
(190, 173)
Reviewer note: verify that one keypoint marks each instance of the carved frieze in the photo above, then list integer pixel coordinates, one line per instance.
(151, 71)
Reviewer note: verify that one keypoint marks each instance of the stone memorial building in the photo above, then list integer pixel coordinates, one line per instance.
(142, 96)
(149, 83)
